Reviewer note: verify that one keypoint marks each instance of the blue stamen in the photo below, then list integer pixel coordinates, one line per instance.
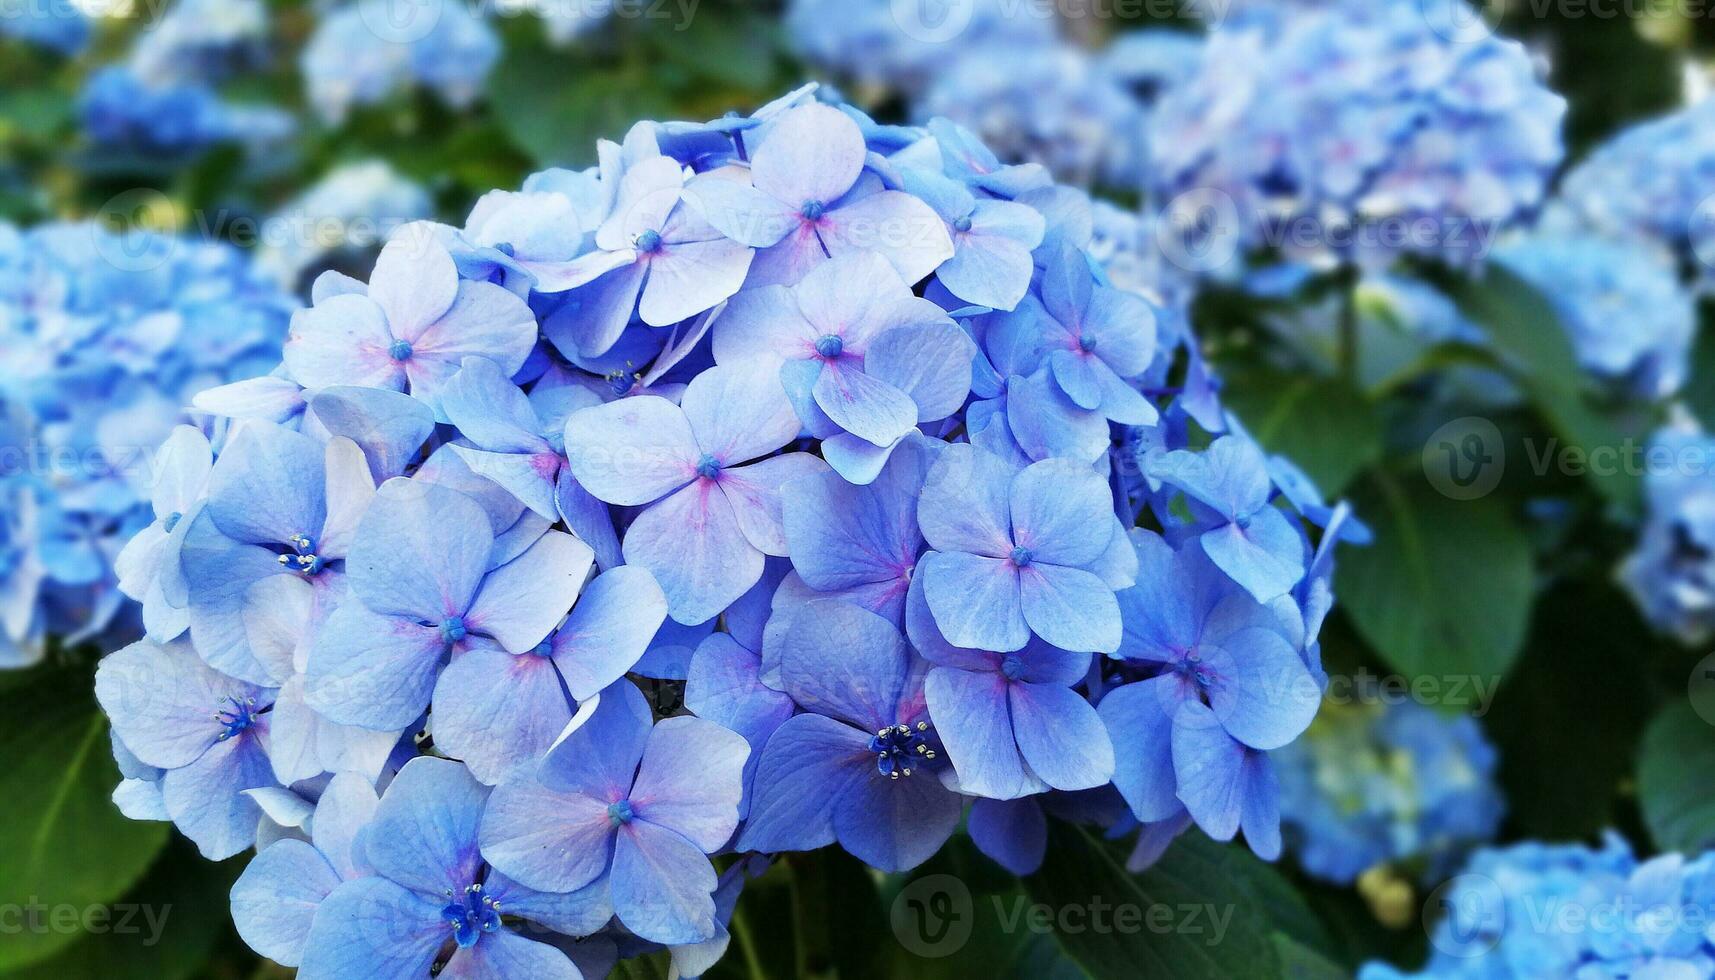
(963, 224)
(649, 241)
(895, 747)
(829, 345)
(303, 558)
(708, 467)
(400, 350)
(620, 814)
(452, 629)
(1021, 556)
(813, 210)
(172, 521)
(1012, 667)
(236, 719)
(471, 915)
(505, 248)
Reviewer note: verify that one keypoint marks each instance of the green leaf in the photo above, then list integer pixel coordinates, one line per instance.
(1676, 767)
(556, 123)
(65, 844)
(1528, 334)
(162, 929)
(976, 930)
(1445, 590)
(724, 47)
(1196, 914)
(1300, 962)
(1569, 685)
(1322, 424)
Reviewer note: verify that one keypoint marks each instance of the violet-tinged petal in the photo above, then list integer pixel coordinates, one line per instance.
(631, 451)
(275, 899)
(1068, 607)
(372, 927)
(341, 341)
(965, 503)
(555, 841)
(663, 885)
(504, 954)
(1209, 766)
(1013, 833)
(894, 825)
(425, 831)
(1139, 719)
(977, 602)
(420, 551)
(757, 491)
(975, 725)
(802, 774)
(738, 414)
(519, 602)
(1061, 736)
(813, 154)
(690, 780)
(1060, 512)
(599, 752)
(608, 630)
(1266, 557)
(495, 711)
(372, 671)
(845, 662)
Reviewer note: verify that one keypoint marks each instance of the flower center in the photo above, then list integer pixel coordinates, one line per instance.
(623, 381)
(1021, 556)
(896, 747)
(813, 210)
(400, 350)
(1087, 344)
(234, 720)
(963, 224)
(829, 345)
(649, 241)
(453, 630)
(471, 915)
(303, 558)
(619, 814)
(1012, 667)
(708, 467)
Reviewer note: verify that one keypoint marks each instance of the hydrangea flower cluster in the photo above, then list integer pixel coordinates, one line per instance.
(355, 207)
(902, 47)
(1559, 910)
(773, 484)
(59, 27)
(1399, 786)
(1356, 133)
(1649, 186)
(162, 100)
(359, 56)
(998, 69)
(105, 337)
(1671, 574)
(1051, 103)
(1630, 321)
